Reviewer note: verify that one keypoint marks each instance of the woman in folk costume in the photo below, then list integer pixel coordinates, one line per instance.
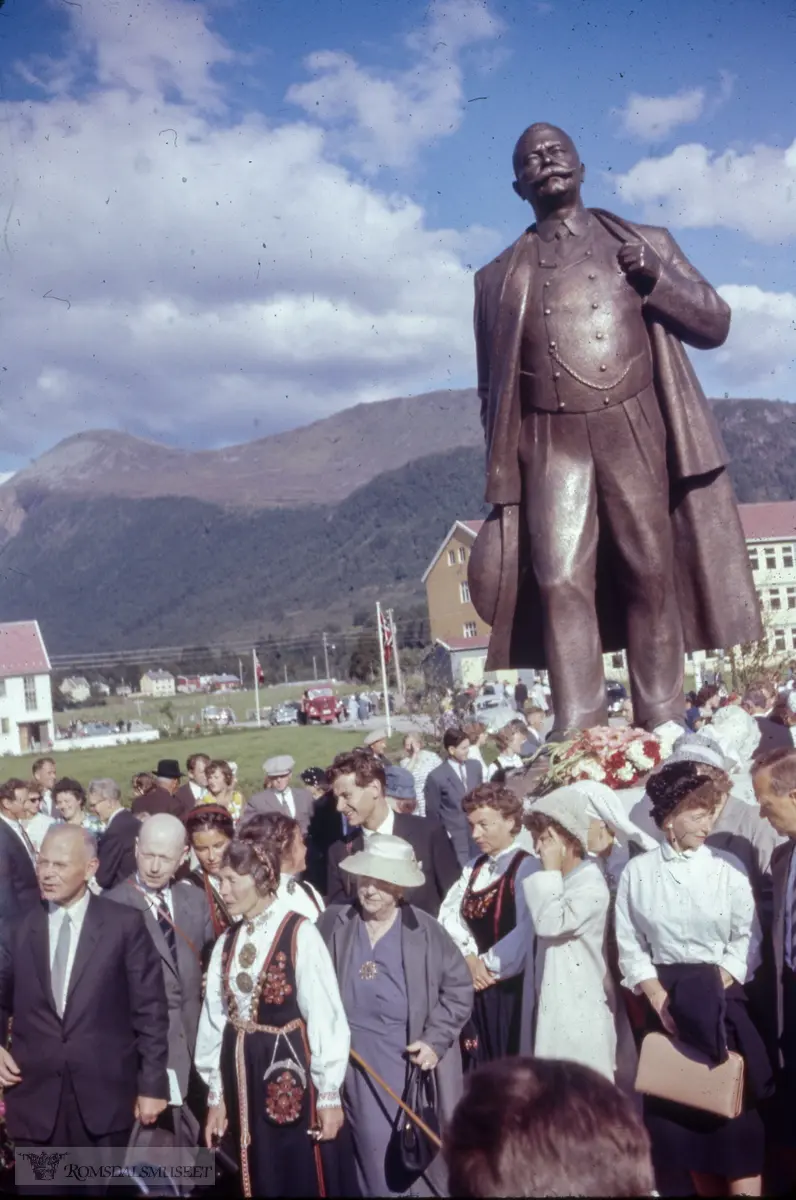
(689, 940)
(210, 829)
(273, 1039)
(569, 904)
(284, 834)
(407, 995)
(486, 915)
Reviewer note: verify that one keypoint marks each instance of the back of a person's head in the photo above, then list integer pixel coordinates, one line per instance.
(533, 1127)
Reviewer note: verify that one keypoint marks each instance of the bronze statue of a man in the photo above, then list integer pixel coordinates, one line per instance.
(614, 522)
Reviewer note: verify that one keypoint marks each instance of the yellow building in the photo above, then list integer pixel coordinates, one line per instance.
(450, 610)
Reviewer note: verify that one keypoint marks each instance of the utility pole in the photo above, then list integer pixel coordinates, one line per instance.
(256, 673)
(326, 655)
(398, 676)
(240, 672)
(314, 667)
(285, 672)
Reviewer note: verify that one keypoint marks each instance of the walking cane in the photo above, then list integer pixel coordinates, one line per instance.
(409, 1111)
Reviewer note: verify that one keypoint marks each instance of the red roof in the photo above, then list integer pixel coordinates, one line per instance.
(773, 520)
(462, 643)
(22, 650)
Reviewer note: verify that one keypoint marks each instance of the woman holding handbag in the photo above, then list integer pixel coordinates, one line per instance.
(407, 995)
(689, 939)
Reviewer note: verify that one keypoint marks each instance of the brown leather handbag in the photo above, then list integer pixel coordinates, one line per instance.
(670, 1070)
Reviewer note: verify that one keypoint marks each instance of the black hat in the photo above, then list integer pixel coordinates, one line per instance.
(168, 768)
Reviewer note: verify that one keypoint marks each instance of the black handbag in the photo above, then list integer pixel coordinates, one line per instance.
(414, 1148)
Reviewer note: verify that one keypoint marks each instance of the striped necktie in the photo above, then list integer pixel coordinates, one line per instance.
(166, 924)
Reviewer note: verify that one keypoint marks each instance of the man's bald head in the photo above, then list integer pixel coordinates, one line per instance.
(160, 850)
(66, 862)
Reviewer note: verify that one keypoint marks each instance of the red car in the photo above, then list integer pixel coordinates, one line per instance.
(320, 704)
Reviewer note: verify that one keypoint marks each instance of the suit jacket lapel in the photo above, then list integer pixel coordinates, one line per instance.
(40, 948)
(89, 936)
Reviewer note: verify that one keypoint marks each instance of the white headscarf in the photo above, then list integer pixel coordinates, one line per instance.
(736, 733)
(605, 805)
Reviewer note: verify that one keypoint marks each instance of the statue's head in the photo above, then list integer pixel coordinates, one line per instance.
(548, 172)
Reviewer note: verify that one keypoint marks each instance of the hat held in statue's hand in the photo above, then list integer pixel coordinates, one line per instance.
(280, 764)
(388, 859)
(376, 735)
(168, 768)
(485, 568)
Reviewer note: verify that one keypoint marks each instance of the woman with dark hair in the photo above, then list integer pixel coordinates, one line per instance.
(689, 939)
(273, 1039)
(221, 787)
(486, 915)
(210, 829)
(569, 901)
(282, 832)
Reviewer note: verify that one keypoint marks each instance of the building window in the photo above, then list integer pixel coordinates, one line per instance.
(774, 599)
(470, 629)
(793, 637)
(754, 561)
(451, 558)
(5, 725)
(2, 688)
(787, 556)
(791, 595)
(462, 554)
(30, 693)
(464, 591)
(771, 558)
(779, 639)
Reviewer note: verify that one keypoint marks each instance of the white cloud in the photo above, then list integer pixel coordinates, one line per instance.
(754, 192)
(181, 276)
(652, 118)
(383, 120)
(759, 356)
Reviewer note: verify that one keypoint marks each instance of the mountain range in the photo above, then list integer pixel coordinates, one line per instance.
(116, 542)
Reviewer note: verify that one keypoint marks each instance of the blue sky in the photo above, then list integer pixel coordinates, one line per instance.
(226, 218)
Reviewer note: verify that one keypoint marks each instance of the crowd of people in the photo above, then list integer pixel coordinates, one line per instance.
(287, 977)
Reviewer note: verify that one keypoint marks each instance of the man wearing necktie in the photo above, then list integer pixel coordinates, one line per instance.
(88, 1008)
(446, 787)
(601, 452)
(19, 890)
(279, 795)
(179, 924)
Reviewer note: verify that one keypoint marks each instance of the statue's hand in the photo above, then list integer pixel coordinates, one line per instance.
(641, 264)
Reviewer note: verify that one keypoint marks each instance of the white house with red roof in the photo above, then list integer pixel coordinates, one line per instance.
(26, 704)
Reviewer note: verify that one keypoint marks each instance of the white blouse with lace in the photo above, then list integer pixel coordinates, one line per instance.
(318, 998)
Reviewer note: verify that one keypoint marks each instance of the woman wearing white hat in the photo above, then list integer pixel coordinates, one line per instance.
(407, 995)
(569, 904)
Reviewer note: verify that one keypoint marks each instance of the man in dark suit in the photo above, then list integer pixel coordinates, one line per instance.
(774, 778)
(360, 784)
(117, 843)
(190, 793)
(90, 1023)
(178, 920)
(279, 795)
(162, 798)
(19, 889)
(446, 787)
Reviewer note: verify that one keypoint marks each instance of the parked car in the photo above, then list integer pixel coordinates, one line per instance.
(493, 711)
(285, 714)
(320, 704)
(213, 715)
(615, 695)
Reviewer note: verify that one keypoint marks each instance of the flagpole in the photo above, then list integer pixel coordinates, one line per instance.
(256, 683)
(399, 679)
(383, 670)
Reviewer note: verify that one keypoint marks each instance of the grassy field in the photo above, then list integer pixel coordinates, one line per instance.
(186, 710)
(312, 746)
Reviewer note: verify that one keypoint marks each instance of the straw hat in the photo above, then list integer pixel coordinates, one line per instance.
(386, 858)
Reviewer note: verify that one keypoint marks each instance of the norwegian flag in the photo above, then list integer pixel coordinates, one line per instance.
(386, 637)
(258, 668)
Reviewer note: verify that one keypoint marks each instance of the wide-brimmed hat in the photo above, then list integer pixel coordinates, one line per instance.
(386, 858)
(280, 764)
(376, 735)
(569, 808)
(168, 768)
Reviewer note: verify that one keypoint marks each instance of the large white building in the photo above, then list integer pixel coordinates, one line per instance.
(770, 532)
(158, 683)
(26, 705)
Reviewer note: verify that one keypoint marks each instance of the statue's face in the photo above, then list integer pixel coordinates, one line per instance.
(547, 167)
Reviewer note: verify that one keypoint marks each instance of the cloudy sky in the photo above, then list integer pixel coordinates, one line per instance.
(222, 218)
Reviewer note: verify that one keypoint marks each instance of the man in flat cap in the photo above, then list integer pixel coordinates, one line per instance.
(376, 742)
(279, 796)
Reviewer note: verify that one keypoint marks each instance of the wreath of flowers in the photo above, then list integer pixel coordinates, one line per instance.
(619, 758)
